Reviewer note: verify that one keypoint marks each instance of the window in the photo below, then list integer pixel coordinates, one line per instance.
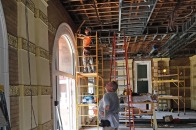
(63, 65)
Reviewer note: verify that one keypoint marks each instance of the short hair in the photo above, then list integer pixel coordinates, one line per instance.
(114, 85)
(89, 29)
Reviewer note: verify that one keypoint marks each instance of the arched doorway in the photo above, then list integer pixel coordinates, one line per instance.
(4, 72)
(63, 67)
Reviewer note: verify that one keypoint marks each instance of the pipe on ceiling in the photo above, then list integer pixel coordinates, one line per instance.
(97, 14)
(152, 10)
(120, 11)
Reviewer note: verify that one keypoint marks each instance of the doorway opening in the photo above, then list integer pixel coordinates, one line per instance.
(142, 83)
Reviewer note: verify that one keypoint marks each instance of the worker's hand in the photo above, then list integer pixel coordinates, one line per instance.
(102, 113)
(87, 52)
(107, 107)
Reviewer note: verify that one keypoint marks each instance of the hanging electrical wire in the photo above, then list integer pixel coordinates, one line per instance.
(174, 16)
(193, 9)
(29, 64)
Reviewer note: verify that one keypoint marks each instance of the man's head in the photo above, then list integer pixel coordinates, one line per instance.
(111, 86)
(87, 30)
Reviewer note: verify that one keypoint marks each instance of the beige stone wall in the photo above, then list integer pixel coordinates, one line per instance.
(180, 66)
(156, 68)
(21, 101)
(39, 66)
(193, 81)
(44, 18)
(183, 66)
(158, 64)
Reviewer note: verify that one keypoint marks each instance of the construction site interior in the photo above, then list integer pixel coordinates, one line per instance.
(147, 46)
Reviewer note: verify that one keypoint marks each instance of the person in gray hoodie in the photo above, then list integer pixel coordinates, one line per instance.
(109, 106)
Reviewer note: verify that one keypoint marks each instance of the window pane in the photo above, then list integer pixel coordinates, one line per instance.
(65, 56)
(142, 71)
(142, 86)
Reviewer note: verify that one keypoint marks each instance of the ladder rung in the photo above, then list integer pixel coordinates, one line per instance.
(122, 85)
(124, 120)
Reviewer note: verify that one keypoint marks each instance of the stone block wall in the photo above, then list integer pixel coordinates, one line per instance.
(44, 17)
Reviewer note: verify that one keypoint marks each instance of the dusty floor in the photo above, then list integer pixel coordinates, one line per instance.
(187, 122)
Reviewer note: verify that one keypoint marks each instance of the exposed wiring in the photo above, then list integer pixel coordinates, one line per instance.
(29, 64)
(186, 15)
(97, 13)
(172, 16)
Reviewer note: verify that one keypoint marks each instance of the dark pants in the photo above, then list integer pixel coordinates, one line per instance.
(109, 128)
(88, 63)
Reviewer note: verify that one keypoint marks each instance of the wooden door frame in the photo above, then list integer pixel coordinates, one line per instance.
(4, 66)
(148, 63)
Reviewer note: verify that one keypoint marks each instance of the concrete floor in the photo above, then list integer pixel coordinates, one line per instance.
(188, 115)
(146, 129)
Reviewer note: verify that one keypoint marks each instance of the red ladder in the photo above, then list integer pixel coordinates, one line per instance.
(113, 60)
(129, 89)
(113, 75)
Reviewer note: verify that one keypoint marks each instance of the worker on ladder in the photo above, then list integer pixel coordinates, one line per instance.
(87, 58)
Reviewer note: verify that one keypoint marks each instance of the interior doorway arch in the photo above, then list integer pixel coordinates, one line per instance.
(4, 71)
(63, 72)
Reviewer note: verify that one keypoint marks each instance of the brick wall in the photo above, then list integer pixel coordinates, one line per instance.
(14, 112)
(56, 16)
(179, 62)
(13, 66)
(10, 13)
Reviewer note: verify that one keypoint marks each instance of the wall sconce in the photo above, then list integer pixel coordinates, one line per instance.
(164, 70)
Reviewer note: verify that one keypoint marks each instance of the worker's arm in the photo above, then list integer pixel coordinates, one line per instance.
(106, 102)
(81, 35)
(107, 107)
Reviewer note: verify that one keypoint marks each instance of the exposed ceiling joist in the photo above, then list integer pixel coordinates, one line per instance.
(169, 23)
